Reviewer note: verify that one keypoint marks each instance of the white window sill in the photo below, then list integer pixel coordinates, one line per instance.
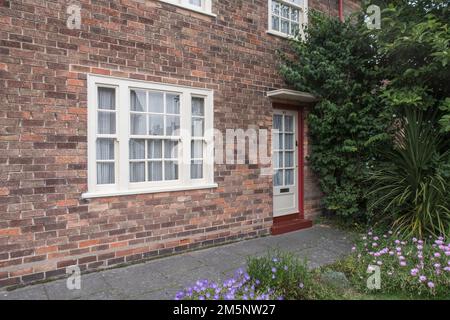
(91, 195)
(280, 34)
(201, 11)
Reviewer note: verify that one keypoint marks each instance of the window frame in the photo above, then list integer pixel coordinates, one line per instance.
(122, 185)
(303, 14)
(206, 7)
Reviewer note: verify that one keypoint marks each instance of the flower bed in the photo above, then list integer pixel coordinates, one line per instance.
(415, 267)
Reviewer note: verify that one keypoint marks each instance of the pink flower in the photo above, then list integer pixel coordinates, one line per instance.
(437, 254)
(375, 238)
(447, 253)
(374, 244)
(403, 263)
(353, 248)
(398, 249)
(422, 278)
(430, 285)
(419, 247)
(414, 272)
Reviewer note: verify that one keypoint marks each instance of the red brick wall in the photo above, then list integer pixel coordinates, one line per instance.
(45, 226)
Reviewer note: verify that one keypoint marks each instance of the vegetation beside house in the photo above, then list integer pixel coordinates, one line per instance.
(371, 82)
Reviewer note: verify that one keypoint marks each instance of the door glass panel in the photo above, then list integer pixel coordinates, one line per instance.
(278, 178)
(289, 141)
(289, 124)
(278, 122)
(289, 159)
(289, 177)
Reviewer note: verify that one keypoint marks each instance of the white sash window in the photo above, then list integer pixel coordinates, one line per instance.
(148, 137)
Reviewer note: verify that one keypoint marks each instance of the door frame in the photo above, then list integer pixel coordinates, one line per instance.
(300, 162)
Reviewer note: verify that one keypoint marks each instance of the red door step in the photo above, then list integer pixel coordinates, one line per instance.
(280, 227)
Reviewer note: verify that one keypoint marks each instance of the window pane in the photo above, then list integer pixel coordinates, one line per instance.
(294, 28)
(170, 170)
(278, 122)
(106, 122)
(278, 178)
(137, 171)
(196, 169)
(284, 26)
(198, 106)
(289, 177)
(196, 149)
(197, 3)
(275, 23)
(105, 149)
(294, 14)
(155, 171)
(276, 8)
(289, 124)
(154, 149)
(137, 149)
(284, 11)
(138, 101)
(172, 103)
(156, 125)
(138, 123)
(170, 149)
(172, 125)
(105, 173)
(289, 141)
(197, 127)
(156, 102)
(289, 159)
(107, 98)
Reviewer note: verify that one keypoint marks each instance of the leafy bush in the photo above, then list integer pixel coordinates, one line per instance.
(364, 78)
(283, 272)
(408, 187)
(335, 63)
(415, 268)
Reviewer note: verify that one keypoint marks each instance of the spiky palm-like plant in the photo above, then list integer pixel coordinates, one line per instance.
(409, 189)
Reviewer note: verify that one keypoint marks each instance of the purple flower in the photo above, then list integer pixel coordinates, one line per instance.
(398, 249)
(375, 238)
(274, 269)
(422, 278)
(437, 254)
(447, 253)
(285, 268)
(374, 244)
(414, 272)
(353, 248)
(275, 260)
(430, 285)
(301, 285)
(403, 263)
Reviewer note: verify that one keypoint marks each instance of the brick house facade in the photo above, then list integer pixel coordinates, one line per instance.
(46, 224)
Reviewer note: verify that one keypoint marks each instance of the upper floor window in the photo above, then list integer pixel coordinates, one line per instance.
(286, 17)
(147, 137)
(202, 6)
